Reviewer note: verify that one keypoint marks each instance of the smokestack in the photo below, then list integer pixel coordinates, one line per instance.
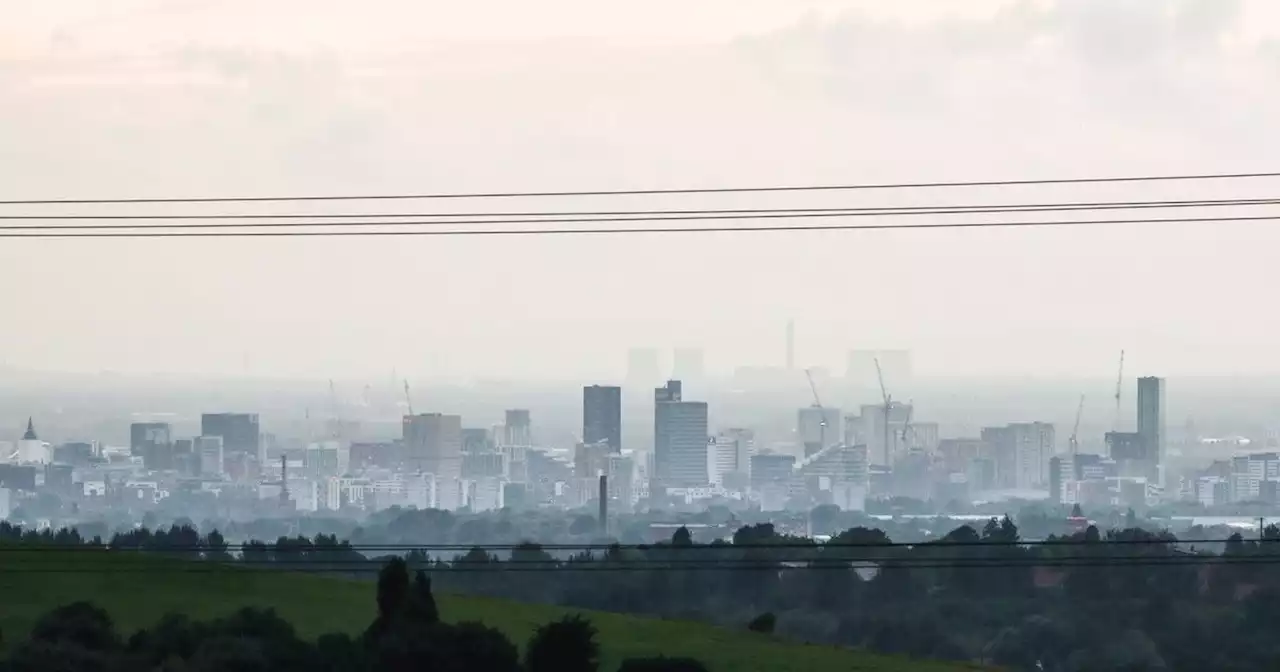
(791, 344)
(604, 504)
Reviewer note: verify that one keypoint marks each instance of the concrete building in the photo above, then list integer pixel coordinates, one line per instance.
(518, 428)
(433, 445)
(240, 433)
(771, 469)
(884, 447)
(729, 459)
(818, 428)
(679, 438)
(1151, 418)
(1021, 452)
(602, 415)
(153, 442)
(212, 454)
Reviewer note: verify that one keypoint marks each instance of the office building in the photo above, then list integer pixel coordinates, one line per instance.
(882, 432)
(729, 459)
(1021, 452)
(771, 469)
(153, 442)
(602, 416)
(212, 453)
(433, 445)
(590, 460)
(679, 438)
(818, 428)
(1151, 427)
(239, 432)
(518, 430)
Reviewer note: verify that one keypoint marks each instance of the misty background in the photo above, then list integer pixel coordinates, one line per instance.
(221, 98)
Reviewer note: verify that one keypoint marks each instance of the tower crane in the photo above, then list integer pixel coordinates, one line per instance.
(1119, 383)
(907, 429)
(888, 401)
(822, 412)
(1075, 430)
(407, 399)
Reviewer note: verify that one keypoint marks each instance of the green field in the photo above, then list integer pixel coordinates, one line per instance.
(137, 591)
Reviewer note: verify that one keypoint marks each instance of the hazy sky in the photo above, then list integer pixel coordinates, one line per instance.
(201, 98)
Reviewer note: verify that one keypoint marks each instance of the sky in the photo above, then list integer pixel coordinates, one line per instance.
(184, 98)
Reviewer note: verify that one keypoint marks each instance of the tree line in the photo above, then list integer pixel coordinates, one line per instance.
(1126, 599)
(407, 635)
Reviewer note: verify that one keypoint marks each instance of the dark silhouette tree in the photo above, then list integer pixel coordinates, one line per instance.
(421, 607)
(566, 645)
(764, 623)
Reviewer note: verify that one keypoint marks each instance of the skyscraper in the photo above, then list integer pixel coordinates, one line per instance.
(152, 441)
(679, 438)
(518, 429)
(1151, 417)
(239, 432)
(602, 416)
(433, 445)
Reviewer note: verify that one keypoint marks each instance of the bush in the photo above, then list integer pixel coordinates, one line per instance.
(764, 623)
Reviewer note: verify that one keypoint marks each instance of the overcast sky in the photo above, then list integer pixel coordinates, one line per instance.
(237, 97)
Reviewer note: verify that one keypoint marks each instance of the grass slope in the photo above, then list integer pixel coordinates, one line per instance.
(138, 590)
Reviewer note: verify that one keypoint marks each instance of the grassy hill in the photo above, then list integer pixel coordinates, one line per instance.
(138, 590)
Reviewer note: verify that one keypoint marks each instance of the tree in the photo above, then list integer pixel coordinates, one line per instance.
(566, 645)
(582, 525)
(764, 623)
(682, 537)
(421, 607)
(79, 623)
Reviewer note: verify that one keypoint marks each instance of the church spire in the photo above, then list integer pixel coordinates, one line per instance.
(31, 432)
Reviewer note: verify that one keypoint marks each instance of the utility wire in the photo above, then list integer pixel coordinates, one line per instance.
(564, 215)
(650, 192)
(663, 546)
(47, 233)
(372, 567)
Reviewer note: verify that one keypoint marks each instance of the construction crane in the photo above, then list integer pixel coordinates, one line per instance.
(1075, 430)
(408, 401)
(1119, 384)
(888, 401)
(822, 413)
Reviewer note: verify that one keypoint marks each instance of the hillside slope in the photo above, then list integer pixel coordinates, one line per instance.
(138, 590)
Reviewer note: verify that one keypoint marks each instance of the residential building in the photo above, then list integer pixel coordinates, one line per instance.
(1151, 417)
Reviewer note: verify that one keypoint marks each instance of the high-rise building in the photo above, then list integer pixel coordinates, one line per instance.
(771, 469)
(729, 458)
(433, 445)
(153, 442)
(212, 454)
(818, 428)
(602, 416)
(679, 438)
(1021, 453)
(239, 431)
(518, 430)
(1151, 428)
(882, 432)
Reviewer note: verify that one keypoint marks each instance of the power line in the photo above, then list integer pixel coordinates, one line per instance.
(178, 567)
(935, 544)
(585, 217)
(652, 192)
(558, 215)
(50, 232)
